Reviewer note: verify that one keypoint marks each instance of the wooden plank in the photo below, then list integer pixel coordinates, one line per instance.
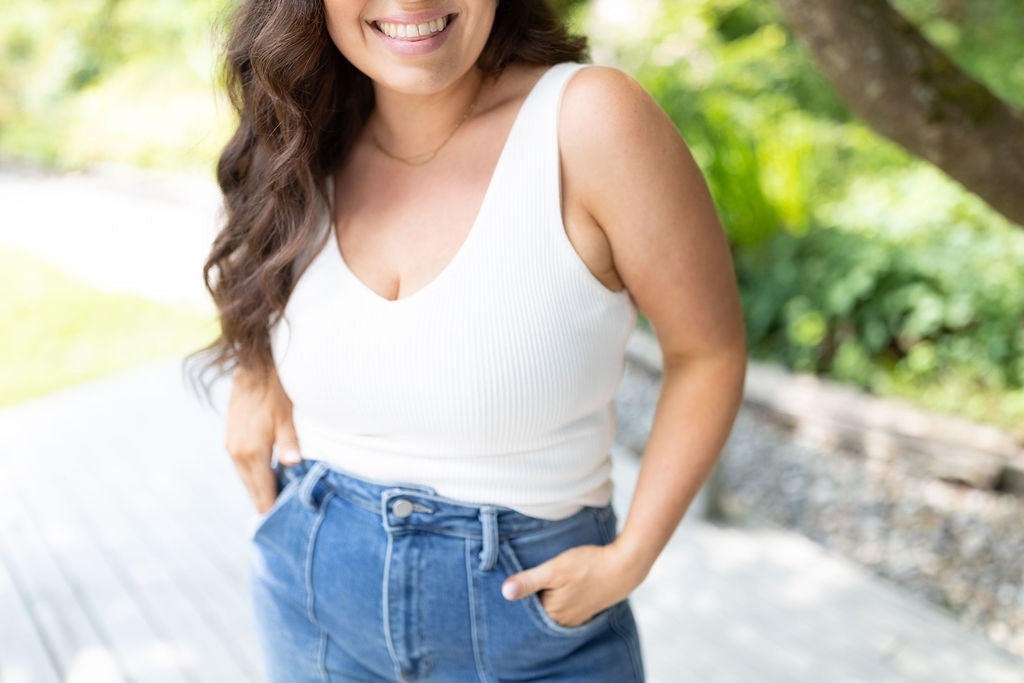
(168, 604)
(79, 650)
(199, 510)
(172, 527)
(24, 649)
(142, 650)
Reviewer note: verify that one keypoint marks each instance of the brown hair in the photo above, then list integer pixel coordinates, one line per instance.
(301, 105)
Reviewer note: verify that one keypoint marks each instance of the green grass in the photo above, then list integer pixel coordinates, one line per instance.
(58, 332)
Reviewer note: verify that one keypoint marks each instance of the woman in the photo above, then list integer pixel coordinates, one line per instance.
(441, 225)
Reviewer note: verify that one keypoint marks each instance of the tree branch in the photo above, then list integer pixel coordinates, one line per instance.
(909, 91)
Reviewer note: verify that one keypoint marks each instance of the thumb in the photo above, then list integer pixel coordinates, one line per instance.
(523, 583)
(287, 443)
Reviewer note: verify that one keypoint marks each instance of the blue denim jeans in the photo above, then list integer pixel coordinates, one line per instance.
(356, 580)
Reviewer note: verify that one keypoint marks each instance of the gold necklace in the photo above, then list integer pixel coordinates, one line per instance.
(407, 160)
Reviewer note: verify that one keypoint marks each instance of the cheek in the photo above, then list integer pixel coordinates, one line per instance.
(478, 34)
(344, 27)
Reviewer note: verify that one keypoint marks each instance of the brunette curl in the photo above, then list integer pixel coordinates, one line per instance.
(301, 105)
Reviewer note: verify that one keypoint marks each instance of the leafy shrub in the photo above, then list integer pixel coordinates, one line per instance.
(855, 260)
(837, 302)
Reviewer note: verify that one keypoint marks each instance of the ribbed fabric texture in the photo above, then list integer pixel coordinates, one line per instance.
(495, 382)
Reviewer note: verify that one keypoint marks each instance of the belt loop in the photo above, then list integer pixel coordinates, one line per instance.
(316, 471)
(489, 520)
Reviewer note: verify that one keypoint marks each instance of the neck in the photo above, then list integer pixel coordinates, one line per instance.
(409, 124)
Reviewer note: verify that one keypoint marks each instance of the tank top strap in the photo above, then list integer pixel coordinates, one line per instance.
(544, 134)
(528, 234)
(525, 165)
(528, 179)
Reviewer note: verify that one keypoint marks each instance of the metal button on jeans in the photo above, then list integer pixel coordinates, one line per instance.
(402, 508)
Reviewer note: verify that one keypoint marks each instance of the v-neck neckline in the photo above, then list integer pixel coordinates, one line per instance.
(369, 293)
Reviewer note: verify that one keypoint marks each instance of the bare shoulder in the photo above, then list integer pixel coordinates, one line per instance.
(605, 112)
(616, 143)
(609, 90)
(630, 170)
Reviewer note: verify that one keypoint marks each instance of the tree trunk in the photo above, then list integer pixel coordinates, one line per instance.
(906, 89)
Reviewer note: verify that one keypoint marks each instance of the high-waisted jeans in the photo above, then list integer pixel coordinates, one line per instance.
(355, 580)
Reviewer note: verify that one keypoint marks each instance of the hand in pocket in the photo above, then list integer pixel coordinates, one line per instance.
(259, 417)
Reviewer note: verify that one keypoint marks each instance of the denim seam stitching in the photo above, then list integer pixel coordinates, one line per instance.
(310, 593)
(634, 656)
(502, 536)
(357, 500)
(557, 527)
(613, 619)
(309, 480)
(512, 533)
(481, 670)
(321, 657)
(385, 606)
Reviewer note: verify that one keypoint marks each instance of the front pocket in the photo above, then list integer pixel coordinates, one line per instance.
(530, 554)
(258, 521)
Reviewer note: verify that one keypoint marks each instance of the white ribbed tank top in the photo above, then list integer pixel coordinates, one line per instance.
(495, 382)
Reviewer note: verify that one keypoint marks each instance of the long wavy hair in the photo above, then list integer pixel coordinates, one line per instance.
(301, 105)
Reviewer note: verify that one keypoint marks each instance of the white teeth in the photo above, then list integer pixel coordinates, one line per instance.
(412, 30)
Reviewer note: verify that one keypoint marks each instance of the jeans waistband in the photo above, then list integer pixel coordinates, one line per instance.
(405, 506)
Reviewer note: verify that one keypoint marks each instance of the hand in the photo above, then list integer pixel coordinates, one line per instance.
(577, 583)
(259, 416)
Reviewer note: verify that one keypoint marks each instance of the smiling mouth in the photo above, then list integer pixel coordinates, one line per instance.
(448, 19)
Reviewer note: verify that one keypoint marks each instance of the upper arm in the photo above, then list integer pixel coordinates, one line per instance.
(636, 177)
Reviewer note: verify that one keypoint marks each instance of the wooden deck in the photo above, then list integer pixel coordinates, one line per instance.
(122, 558)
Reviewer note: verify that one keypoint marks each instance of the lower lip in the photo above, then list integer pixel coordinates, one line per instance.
(415, 47)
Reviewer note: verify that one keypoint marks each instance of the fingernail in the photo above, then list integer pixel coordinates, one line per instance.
(509, 590)
(291, 456)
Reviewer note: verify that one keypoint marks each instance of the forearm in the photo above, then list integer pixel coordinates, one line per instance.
(695, 413)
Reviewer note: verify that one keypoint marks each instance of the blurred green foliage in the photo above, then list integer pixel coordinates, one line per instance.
(856, 261)
(102, 80)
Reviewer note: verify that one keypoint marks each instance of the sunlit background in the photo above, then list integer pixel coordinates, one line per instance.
(858, 261)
